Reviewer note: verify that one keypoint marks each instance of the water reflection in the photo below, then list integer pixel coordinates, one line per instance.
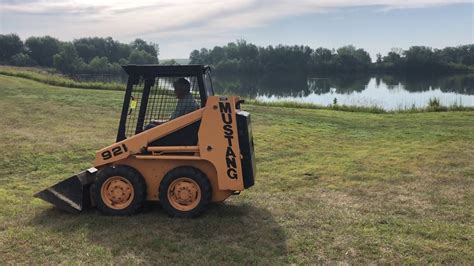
(251, 86)
(386, 91)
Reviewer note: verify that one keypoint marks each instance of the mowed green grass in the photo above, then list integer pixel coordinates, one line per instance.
(331, 187)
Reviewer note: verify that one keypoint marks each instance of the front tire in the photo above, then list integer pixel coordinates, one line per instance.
(120, 190)
(185, 192)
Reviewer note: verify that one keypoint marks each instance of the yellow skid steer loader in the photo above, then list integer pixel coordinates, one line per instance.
(177, 143)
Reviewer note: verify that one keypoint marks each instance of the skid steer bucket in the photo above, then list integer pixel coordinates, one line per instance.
(72, 194)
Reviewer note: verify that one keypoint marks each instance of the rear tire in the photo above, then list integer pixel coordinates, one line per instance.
(185, 192)
(119, 190)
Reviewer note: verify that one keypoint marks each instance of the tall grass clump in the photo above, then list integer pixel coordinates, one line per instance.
(434, 104)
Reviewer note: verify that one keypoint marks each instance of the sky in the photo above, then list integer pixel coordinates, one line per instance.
(180, 26)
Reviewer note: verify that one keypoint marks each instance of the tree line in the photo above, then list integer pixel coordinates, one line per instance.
(96, 55)
(246, 58)
(92, 55)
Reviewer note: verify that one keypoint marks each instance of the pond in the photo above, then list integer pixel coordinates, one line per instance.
(384, 91)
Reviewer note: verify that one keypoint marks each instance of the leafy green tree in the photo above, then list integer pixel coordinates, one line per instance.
(246, 51)
(10, 45)
(85, 50)
(99, 63)
(42, 49)
(217, 54)
(142, 57)
(195, 58)
(419, 56)
(349, 59)
(232, 51)
(392, 58)
(459, 55)
(322, 60)
(67, 61)
(141, 45)
(204, 54)
(322, 55)
(379, 59)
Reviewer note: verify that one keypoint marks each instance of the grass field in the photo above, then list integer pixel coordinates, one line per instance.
(52, 77)
(332, 186)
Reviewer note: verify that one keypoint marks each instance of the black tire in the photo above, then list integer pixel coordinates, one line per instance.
(198, 177)
(137, 182)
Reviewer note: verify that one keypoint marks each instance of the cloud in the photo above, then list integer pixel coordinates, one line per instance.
(68, 19)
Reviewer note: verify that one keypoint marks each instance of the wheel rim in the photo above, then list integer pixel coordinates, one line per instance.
(117, 192)
(184, 194)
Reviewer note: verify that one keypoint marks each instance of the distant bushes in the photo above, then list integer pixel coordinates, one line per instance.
(22, 59)
(85, 56)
